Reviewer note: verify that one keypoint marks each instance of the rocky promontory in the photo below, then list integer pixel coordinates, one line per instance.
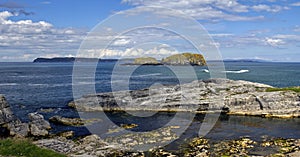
(204, 96)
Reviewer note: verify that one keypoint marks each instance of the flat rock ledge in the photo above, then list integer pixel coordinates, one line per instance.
(204, 96)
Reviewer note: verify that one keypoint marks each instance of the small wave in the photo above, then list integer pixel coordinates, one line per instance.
(49, 85)
(146, 75)
(230, 71)
(37, 84)
(205, 70)
(238, 71)
(8, 84)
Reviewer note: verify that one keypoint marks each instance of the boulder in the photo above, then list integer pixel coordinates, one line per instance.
(18, 129)
(38, 125)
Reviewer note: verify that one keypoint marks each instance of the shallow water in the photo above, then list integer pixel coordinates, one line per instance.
(226, 127)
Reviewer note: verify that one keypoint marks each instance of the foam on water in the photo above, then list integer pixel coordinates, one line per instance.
(230, 71)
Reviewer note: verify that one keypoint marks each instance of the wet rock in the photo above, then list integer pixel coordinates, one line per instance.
(145, 140)
(161, 152)
(238, 147)
(46, 110)
(284, 146)
(66, 121)
(197, 147)
(128, 126)
(67, 134)
(38, 125)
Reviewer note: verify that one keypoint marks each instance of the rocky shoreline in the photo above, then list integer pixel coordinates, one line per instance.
(208, 96)
(205, 96)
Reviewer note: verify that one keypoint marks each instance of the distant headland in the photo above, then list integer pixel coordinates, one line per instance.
(69, 60)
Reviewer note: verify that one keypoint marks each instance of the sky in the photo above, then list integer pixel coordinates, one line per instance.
(241, 29)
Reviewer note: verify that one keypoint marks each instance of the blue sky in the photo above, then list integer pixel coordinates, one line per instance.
(260, 29)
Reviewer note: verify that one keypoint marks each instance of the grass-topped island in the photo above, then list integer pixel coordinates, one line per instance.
(176, 59)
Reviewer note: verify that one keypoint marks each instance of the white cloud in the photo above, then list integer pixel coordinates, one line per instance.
(40, 38)
(121, 42)
(211, 9)
(264, 7)
(274, 42)
(159, 52)
(203, 9)
(288, 37)
(221, 35)
(296, 4)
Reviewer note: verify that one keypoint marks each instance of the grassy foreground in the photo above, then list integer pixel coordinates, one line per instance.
(295, 89)
(24, 148)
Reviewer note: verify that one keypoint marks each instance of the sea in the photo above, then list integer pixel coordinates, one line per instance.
(38, 87)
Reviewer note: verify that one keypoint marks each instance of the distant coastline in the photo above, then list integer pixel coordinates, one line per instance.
(69, 60)
(74, 59)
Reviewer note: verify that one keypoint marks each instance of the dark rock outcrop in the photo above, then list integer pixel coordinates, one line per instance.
(9, 121)
(65, 60)
(66, 121)
(6, 115)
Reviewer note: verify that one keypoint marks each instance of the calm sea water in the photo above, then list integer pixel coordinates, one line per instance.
(29, 87)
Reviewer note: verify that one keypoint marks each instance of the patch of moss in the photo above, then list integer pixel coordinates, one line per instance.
(295, 89)
(24, 148)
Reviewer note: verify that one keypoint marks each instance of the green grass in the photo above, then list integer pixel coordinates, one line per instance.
(24, 148)
(295, 89)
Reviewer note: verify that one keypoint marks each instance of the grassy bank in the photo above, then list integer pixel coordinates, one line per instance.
(24, 148)
(295, 89)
